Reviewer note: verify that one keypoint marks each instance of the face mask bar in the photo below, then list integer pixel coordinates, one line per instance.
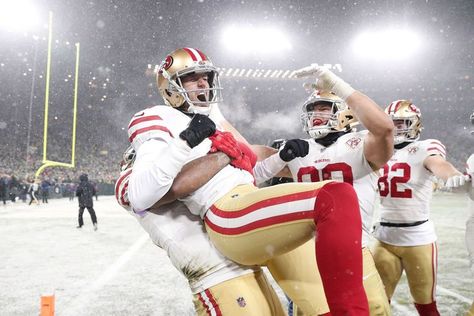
(308, 115)
(214, 90)
(407, 133)
(128, 158)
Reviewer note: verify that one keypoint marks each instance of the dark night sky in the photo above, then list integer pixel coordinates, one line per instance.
(120, 38)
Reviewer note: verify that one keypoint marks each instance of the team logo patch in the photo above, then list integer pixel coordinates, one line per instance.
(412, 150)
(353, 142)
(241, 301)
(168, 62)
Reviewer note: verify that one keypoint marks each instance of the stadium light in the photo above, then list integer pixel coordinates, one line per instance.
(244, 40)
(18, 15)
(386, 45)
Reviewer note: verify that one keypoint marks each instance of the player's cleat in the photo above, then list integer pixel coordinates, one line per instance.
(95, 226)
(79, 227)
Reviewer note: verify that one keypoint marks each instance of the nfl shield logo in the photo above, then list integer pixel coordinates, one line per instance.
(241, 302)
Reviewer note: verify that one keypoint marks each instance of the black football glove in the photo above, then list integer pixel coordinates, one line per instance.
(294, 148)
(199, 128)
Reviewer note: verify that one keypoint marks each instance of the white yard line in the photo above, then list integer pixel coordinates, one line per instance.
(88, 293)
(444, 291)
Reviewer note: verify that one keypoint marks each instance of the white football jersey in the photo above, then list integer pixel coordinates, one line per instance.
(405, 189)
(154, 133)
(470, 172)
(342, 161)
(470, 220)
(183, 237)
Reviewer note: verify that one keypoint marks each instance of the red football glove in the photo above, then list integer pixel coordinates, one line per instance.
(225, 142)
(247, 151)
(248, 159)
(241, 155)
(243, 162)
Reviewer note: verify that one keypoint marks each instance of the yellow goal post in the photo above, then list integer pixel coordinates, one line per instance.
(46, 162)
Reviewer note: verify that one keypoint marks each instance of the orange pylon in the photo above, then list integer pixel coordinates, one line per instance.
(47, 305)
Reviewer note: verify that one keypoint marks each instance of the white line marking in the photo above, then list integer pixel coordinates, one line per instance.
(87, 295)
(453, 294)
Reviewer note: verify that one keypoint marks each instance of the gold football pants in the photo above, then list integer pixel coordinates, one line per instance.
(419, 263)
(248, 295)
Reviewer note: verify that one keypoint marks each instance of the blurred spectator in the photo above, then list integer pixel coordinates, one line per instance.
(96, 190)
(33, 191)
(23, 188)
(70, 191)
(13, 188)
(45, 186)
(3, 188)
(84, 192)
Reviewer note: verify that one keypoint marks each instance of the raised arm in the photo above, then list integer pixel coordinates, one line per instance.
(378, 146)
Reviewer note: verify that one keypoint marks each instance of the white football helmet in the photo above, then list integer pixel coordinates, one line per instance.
(410, 115)
(339, 119)
(182, 62)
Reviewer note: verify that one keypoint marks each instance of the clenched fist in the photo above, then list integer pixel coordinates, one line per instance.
(199, 128)
(294, 148)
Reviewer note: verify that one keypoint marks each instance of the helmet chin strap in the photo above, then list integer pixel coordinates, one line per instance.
(194, 109)
(199, 110)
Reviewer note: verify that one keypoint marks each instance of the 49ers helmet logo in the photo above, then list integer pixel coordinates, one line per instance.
(168, 62)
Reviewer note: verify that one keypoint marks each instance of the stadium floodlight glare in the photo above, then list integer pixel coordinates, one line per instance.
(18, 15)
(391, 44)
(243, 40)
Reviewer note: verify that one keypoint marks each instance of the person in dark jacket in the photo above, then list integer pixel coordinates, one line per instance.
(3, 189)
(45, 186)
(84, 192)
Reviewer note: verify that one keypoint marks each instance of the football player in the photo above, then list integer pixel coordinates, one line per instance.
(219, 286)
(405, 234)
(470, 220)
(336, 152)
(246, 224)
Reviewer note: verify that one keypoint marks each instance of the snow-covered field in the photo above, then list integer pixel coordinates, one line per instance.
(118, 271)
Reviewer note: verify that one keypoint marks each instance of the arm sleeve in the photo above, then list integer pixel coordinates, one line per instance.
(434, 147)
(268, 168)
(157, 164)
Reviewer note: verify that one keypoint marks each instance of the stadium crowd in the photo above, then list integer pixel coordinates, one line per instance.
(254, 106)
